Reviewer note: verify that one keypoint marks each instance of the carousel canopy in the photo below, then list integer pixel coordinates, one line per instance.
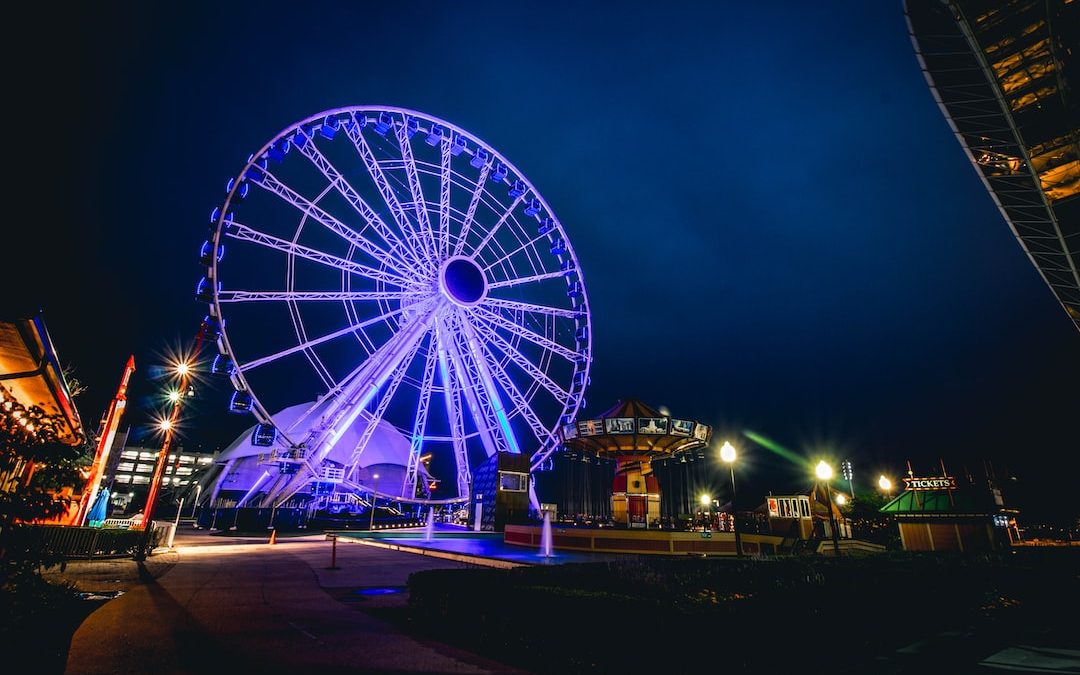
(633, 429)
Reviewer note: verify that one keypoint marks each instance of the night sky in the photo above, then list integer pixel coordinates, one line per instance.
(777, 228)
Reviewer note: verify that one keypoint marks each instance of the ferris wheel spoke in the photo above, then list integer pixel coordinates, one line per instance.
(498, 224)
(373, 220)
(271, 184)
(507, 283)
(416, 445)
(444, 199)
(538, 429)
(519, 359)
(347, 330)
(245, 233)
(419, 202)
(377, 415)
(516, 306)
(386, 190)
(486, 315)
(312, 296)
(527, 245)
(453, 413)
(470, 214)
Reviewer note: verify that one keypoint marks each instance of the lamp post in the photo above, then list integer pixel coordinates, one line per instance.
(824, 473)
(886, 485)
(706, 511)
(728, 454)
(374, 498)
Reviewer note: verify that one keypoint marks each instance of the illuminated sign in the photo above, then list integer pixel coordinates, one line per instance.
(933, 483)
(652, 425)
(681, 427)
(619, 425)
(591, 427)
(701, 432)
(569, 431)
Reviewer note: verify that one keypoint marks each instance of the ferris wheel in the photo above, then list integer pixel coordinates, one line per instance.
(399, 271)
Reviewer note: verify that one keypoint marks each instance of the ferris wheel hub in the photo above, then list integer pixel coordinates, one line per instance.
(462, 281)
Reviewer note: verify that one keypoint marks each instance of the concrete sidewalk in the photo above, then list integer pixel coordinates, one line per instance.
(259, 608)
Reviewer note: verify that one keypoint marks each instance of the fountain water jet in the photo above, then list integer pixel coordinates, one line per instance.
(545, 536)
(430, 527)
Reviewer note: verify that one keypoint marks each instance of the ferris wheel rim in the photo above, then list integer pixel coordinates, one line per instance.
(580, 312)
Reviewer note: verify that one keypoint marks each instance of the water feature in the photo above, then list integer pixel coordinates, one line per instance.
(545, 536)
(429, 528)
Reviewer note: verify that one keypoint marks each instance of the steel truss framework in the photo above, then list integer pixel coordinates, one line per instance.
(412, 276)
(1000, 73)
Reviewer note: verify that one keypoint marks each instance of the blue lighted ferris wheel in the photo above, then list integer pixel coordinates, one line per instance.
(397, 270)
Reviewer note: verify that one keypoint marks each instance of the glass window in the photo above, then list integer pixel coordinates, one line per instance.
(205, 460)
(147, 455)
(144, 468)
(125, 466)
(140, 480)
(129, 454)
(513, 482)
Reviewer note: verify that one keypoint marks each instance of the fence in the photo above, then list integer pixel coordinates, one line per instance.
(61, 542)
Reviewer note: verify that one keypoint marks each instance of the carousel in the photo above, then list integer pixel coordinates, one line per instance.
(634, 435)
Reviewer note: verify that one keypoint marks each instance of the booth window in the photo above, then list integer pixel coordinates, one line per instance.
(513, 482)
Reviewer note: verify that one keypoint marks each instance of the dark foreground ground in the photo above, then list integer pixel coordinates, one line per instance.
(893, 613)
(235, 604)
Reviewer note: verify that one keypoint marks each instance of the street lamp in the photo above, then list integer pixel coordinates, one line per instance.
(374, 497)
(706, 511)
(885, 484)
(174, 396)
(841, 499)
(727, 455)
(824, 473)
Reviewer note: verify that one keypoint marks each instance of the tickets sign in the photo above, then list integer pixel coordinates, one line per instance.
(933, 483)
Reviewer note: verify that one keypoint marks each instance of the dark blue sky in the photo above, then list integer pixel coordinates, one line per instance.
(777, 228)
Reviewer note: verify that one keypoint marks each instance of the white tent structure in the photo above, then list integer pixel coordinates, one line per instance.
(244, 471)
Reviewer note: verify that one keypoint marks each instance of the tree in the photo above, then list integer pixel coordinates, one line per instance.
(35, 469)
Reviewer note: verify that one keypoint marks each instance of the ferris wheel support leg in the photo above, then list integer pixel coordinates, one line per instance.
(457, 427)
(463, 383)
(355, 397)
(480, 389)
(416, 444)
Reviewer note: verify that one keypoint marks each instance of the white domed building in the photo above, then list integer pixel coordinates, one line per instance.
(244, 472)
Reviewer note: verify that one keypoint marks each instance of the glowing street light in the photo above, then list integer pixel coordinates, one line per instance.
(824, 473)
(165, 425)
(174, 396)
(706, 511)
(183, 368)
(841, 499)
(728, 455)
(885, 484)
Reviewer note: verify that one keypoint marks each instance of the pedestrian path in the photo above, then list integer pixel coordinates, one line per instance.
(265, 609)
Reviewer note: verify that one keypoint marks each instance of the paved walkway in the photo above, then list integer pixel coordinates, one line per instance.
(216, 604)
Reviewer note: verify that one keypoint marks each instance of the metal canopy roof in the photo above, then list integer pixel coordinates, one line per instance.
(1003, 74)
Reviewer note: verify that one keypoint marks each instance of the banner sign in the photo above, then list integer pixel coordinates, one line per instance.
(932, 483)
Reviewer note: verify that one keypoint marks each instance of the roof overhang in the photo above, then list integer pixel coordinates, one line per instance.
(1001, 73)
(30, 371)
